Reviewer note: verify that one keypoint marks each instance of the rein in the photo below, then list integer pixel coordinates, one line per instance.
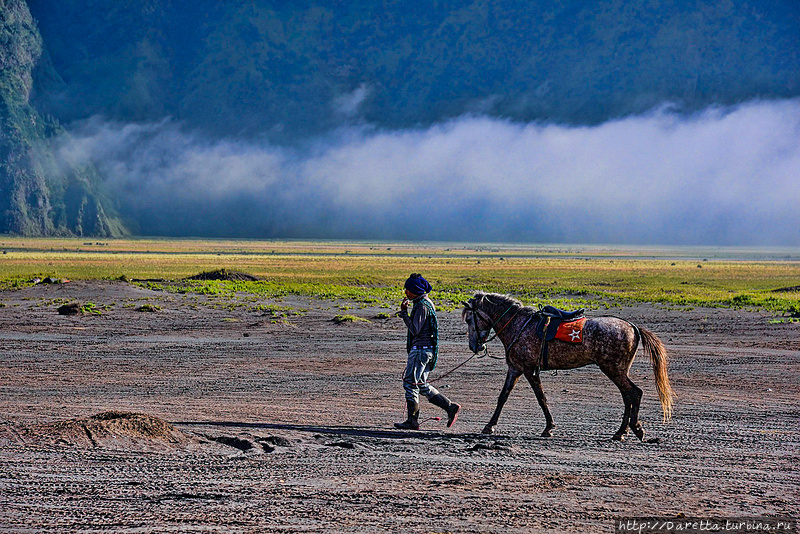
(521, 330)
(487, 339)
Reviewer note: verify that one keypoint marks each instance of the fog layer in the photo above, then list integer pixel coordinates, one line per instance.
(725, 176)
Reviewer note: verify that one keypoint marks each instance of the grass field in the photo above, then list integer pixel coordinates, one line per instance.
(567, 275)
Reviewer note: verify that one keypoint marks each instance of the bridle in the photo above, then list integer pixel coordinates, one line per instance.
(483, 336)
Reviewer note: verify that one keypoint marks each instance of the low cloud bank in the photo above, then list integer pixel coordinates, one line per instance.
(722, 177)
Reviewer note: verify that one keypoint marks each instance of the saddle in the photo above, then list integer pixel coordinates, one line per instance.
(552, 318)
(558, 324)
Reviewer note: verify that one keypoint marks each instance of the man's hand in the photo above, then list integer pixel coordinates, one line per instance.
(404, 305)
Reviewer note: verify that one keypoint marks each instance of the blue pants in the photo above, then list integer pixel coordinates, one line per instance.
(415, 379)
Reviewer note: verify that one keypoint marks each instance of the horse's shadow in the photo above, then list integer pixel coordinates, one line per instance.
(352, 431)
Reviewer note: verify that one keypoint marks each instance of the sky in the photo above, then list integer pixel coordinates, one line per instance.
(723, 176)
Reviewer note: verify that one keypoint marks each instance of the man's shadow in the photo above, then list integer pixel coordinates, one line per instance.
(354, 431)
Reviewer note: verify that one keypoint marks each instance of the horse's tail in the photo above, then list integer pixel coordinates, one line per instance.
(658, 357)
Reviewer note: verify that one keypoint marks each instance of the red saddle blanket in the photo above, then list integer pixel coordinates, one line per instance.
(571, 332)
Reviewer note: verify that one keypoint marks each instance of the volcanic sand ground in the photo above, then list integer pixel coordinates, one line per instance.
(235, 420)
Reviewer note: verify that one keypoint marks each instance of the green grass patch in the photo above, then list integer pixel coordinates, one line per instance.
(277, 310)
(10, 284)
(372, 274)
(91, 307)
(340, 319)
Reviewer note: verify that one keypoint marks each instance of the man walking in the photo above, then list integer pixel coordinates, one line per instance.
(422, 345)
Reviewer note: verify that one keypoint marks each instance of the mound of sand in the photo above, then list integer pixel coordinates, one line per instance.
(109, 430)
(224, 274)
(73, 308)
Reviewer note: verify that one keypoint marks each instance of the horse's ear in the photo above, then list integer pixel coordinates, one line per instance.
(466, 304)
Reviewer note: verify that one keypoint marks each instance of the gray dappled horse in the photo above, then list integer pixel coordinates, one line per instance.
(608, 342)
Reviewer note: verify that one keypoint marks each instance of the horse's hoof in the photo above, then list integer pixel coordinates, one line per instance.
(639, 431)
(548, 432)
(488, 429)
(618, 437)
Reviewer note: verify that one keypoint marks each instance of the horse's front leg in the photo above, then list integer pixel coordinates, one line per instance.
(536, 384)
(511, 380)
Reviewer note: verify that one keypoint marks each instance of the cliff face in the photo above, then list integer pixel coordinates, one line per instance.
(40, 193)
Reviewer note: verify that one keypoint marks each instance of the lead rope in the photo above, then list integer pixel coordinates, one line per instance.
(485, 354)
(451, 371)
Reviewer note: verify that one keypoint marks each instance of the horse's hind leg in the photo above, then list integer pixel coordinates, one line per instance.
(511, 379)
(635, 398)
(626, 417)
(536, 384)
(631, 396)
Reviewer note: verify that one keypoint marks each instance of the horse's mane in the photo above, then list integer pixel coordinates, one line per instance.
(496, 301)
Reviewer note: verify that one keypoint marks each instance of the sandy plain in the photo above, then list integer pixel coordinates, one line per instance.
(257, 423)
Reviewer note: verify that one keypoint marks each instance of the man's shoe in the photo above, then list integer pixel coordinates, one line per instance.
(452, 413)
(451, 408)
(412, 423)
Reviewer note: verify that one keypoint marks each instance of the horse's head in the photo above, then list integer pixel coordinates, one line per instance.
(477, 325)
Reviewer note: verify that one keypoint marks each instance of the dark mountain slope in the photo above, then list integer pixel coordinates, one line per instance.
(40, 193)
(286, 72)
(299, 68)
